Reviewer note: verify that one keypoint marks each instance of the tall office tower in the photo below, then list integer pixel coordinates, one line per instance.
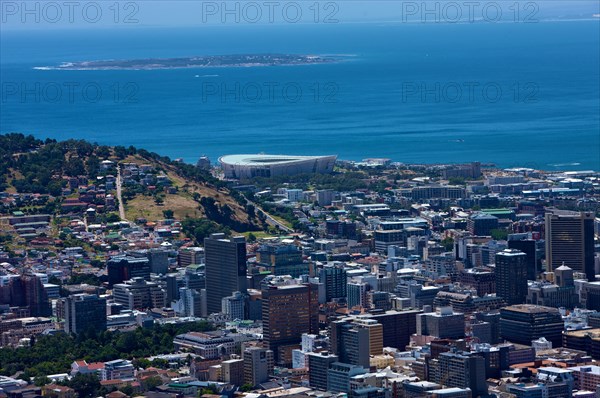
(288, 310)
(318, 365)
(234, 306)
(493, 319)
(524, 323)
(398, 326)
(481, 279)
(458, 370)
(159, 261)
(339, 375)
(232, 371)
(225, 268)
(282, 259)
(443, 324)
(570, 240)
(190, 256)
(511, 276)
(139, 295)
(84, 312)
(481, 224)
(530, 248)
(35, 295)
(258, 365)
(335, 279)
(191, 303)
(357, 293)
(355, 339)
(123, 268)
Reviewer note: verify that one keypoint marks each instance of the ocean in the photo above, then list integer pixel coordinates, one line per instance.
(514, 94)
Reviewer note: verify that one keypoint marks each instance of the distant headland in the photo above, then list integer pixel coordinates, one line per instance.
(208, 61)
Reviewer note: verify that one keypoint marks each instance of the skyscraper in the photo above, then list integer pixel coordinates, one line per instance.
(85, 312)
(530, 248)
(123, 268)
(458, 370)
(524, 323)
(258, 365)
(282, 259)
(288, 310)
(334, 278)
(35, 295)
(355, 340)
(570, 240)
(225, 268)
(511, 276)
(318, 365)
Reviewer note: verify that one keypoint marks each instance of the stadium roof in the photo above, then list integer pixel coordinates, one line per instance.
(265, 160)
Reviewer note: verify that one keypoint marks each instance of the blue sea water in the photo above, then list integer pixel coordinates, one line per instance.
(508, 93)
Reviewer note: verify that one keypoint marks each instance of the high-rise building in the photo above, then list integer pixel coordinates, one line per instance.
(191, 303)
(357, 294)
(335, 279)
(443, 324)
(339, 375)
(84, 312)
(397, 326)
(282, 259)
(354, 340)
(234, 306)
(232, 371)
(530, 248)
(481, 224)
(511, 276)
(34, 294)
(225, 269)
(139, 294)
(289, 309)
(190, 256)
(258, 365)
(524, 323)
(123, 268)
(481, 279)
(318, 365)
(570, 240)
(458, 370)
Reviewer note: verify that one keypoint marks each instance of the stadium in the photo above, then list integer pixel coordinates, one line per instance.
(249, 166)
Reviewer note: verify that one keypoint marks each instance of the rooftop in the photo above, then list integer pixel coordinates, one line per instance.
(265, 160)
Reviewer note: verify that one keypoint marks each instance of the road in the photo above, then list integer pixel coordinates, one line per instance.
(119, 197)
(269, 219)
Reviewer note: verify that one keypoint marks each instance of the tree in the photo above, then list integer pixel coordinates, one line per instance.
(113, 217)
(127, 390)
(41, 381)
(151, 383)
(499, 234)
(448, 244)
(86, 385)
(168, 214)
(246, 387)
(251, 237)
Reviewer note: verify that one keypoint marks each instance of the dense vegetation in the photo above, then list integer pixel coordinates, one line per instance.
(33, 165)
(55, 353)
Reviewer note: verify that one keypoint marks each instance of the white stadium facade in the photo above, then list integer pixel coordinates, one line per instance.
(249, 166)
